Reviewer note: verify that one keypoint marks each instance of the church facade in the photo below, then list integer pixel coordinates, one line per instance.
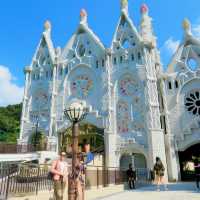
(144, 111)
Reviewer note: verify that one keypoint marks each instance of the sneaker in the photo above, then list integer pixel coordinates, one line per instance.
(158, 190)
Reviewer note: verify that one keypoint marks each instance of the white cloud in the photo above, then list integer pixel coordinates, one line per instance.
(10, 93)
(170, 45)
(196, 29)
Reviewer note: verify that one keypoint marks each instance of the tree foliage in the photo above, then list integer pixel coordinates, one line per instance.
(88, 133)
(39, 140)
(10, 123)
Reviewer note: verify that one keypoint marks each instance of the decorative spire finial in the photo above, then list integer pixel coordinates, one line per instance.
(83, 16)
(47, 25)
(144, 9)
(186, 25)
(124, 5)
(146, 28)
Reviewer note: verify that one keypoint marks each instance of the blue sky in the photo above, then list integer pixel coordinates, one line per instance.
(22, 21)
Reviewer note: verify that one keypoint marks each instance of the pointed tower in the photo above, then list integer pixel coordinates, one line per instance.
(156, 143)
(181, 97)
(38, 92)
(136, 119)
(126, 35)
(146, 29)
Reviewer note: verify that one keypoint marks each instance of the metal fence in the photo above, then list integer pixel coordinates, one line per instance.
(98, 176)
(23, 179)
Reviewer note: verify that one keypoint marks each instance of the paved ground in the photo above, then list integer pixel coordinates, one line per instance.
(90, 194)
(178, 191)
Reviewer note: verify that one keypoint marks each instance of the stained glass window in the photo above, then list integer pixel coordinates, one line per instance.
(127, 85)
(123, 117)
(81, 86)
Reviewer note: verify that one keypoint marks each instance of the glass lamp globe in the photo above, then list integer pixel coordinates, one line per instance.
(76, 112)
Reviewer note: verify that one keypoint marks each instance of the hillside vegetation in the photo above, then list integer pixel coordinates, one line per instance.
(10, 123)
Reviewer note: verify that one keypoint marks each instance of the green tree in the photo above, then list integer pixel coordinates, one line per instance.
(10, 123)
(39, 140)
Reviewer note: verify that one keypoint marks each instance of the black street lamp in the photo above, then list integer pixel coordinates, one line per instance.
(75, 113)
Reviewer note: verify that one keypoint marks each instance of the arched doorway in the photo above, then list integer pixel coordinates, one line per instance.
(137, 160)
(125, 160)
(139, 164)
(186, 159)
(88, 134)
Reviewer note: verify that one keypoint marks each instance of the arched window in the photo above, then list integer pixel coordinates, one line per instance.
(33, 77)
(51, 73)
(97, 64)
(121, 59)
(81, 50)
(115, 60)
(176, 84)
(103, 62)
(139, 55)
(169, 85)
(132, 57)
(61, 71)
(125, 44)
(66, 70)
(123, 118)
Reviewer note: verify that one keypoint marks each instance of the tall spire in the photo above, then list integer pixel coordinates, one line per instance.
(83, 16)
(124, 6)
(146, 29)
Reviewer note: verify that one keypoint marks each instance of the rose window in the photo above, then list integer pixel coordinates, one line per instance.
(192, 102)
(81, 86)
(127, 86)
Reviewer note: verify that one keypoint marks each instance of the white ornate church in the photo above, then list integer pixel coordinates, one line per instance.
(144, 110)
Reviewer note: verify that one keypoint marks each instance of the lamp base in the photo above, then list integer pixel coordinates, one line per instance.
(72, 189)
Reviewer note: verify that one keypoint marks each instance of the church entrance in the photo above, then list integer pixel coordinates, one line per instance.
(88, 134)
(137, 160)
(186, 159)
(139, 164)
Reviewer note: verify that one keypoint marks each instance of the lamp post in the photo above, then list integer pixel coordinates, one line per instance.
(75, 113)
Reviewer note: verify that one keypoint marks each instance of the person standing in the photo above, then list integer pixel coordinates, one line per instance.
(159, 170)
(131, 175)
(197, 172)
(59, 169)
